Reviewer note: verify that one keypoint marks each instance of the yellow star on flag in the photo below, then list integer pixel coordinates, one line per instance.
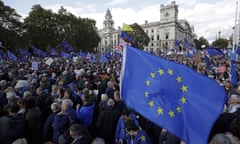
(146, 93)
(179, 79)
(171, 113)
(170, 72)
(183, 100)
(184, 88)
(147, 82)
(143, 138)
(159, 110)
(151, 103)
(160, 71)
(153, 75)
(179, 109)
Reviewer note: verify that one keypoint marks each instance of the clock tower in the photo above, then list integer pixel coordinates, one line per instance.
(169, 13)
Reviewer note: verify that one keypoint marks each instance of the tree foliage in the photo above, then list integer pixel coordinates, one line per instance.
(200, 42)
(10, 27)
(139, 35)
(46, 29)
(220, 43)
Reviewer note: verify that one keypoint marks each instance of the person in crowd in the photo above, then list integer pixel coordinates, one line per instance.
(48, 125)
(80, 134)
(103, 102)
(119, 103)
(85, 112)
(121, 134)
(34, 121)
(137, 136)
(12, 126)
(107, 121)
(220, 139)
(63, 120)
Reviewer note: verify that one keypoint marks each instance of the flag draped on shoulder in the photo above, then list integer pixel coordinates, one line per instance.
(171, 95)
(126, 27)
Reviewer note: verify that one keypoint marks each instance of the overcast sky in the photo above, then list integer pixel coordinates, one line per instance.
(207, 16)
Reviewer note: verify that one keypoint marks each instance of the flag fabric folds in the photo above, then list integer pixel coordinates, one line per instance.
(24, 52)
(171, 95)
(11, 56)
(214, 52)
(126, 27)
(67, 46)
(126, 36)
(38, 52)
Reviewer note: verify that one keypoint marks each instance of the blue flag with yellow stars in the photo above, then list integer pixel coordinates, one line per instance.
(171, 95)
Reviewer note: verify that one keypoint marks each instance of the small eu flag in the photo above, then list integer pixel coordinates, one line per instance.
(171, 95)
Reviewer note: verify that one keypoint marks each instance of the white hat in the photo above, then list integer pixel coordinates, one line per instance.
(11, 95)
(22, 83)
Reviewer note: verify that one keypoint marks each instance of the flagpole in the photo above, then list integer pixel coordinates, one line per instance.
(235, 29)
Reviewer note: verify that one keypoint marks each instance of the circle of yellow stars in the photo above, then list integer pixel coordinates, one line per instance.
(183, 100)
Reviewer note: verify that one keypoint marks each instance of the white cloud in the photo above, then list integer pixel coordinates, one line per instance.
(116, 2)
(207, 18)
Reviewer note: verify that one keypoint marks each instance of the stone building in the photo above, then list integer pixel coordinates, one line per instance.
(163, 34)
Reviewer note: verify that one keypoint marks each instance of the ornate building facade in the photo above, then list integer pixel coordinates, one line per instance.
(163, 34)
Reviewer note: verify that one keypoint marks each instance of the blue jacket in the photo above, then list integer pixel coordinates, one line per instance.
(140, 138)
(85, 114)
(72, 115)
(120, 130)
(60, 124)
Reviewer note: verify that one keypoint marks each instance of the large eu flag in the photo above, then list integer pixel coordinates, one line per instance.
(171, 95)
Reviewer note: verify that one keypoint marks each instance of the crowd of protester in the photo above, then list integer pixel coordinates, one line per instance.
(78, 102)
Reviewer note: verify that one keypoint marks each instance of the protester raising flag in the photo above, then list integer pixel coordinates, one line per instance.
(164, 92)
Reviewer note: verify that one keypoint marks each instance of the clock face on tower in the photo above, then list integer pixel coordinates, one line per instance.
(166, 14)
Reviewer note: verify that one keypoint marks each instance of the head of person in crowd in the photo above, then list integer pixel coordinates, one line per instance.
(66, 104)
(29, 102)
(55, 107)
(67, 93)
(234, 128)
(80, 134)
(110, 103)
(117, 97)
(98, 140)
(126, 115)
(131, 128)
(220, 139)
(3, 84)
(10, 94)
(54, 90)
(104, 97)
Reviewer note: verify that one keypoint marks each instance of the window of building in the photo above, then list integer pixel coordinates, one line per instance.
(157, 37)
(152, 37)
(152, 30)
(166, 36)
(152, 44)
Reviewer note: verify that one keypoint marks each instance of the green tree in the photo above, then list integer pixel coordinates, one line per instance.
(139, 35)
(201, 41)
(41, 28)
(10, 27)
(220, 43)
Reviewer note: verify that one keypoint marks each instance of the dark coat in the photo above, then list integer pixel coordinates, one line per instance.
(106, 123)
